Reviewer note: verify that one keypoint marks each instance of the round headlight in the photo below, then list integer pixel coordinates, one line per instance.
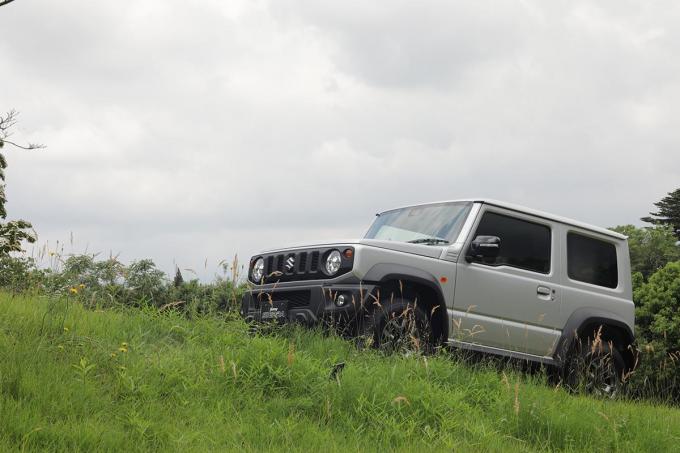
(333, 262)
(258, 270)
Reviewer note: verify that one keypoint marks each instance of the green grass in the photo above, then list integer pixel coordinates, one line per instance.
(206, 384)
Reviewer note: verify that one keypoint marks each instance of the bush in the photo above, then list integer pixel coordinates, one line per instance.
(658, 333)
(18, 274)
(146, 284)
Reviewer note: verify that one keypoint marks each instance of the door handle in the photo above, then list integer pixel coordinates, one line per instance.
(543, 291)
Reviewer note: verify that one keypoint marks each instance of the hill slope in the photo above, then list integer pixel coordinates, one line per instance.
(82, 380)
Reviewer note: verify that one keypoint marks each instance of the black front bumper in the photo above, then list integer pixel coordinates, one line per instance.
(308, 303)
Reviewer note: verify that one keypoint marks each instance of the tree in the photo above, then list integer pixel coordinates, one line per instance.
(179, 280)
(668, 213)
(12, 233)
(650, 248)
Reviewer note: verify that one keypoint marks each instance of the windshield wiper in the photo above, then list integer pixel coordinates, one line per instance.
(428, 241)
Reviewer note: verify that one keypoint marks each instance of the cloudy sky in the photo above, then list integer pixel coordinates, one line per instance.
(191, 131)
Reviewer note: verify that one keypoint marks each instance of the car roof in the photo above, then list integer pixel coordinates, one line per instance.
(524, 209)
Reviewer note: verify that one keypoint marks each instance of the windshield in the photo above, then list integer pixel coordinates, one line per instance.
(430, 224)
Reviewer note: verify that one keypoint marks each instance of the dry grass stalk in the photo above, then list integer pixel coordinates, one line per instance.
(291, 354)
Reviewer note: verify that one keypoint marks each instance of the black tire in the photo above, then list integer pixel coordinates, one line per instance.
(594, 369)
(401, 326)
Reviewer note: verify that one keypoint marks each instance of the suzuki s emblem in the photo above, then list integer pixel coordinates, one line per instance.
(290, 263)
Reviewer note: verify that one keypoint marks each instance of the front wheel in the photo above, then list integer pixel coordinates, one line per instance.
(401, 326)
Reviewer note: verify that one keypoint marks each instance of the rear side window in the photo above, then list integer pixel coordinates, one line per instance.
(523, 244)
(592, 261)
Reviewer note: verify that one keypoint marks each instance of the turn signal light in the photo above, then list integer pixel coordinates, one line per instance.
(348, 253)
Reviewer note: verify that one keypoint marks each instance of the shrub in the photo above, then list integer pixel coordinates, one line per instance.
(19, 274)
(146, 284)
(658, 333)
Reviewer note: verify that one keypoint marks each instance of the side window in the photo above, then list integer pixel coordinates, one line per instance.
(591, 261)
(523, 244)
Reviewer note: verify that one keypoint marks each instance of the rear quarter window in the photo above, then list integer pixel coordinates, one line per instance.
(591, 260)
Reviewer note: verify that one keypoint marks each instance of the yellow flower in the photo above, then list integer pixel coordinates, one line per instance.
(66, 329)
(60, 347)
(124, 344)
(81, 286)
(113, 355)
(73, 290)
(122, 349)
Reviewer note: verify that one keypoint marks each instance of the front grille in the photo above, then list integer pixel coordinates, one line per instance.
(296, 299)
(299, 265)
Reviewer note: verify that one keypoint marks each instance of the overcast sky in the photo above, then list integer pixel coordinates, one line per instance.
(190, 131)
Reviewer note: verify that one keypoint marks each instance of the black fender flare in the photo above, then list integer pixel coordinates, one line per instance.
(383, 272)
(583, 317)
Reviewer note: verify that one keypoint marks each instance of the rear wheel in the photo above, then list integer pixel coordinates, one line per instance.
(595, 369)
(401, 326)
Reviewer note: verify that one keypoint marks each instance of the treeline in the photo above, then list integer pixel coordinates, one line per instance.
(107, 283)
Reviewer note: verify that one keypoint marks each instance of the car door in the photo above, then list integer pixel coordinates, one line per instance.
(510, 302)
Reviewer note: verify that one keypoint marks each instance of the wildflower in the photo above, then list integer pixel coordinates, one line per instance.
(60, 347)
(81, 286)
(113, 355)
(121, 349)
(52, 253)
(73, 290)
(66, 329)
(124, 344)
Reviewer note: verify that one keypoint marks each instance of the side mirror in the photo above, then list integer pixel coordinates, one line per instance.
(484, 247)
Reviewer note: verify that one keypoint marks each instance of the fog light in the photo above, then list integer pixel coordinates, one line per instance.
(341, 300)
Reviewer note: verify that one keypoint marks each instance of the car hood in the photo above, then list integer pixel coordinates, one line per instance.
(432, 251)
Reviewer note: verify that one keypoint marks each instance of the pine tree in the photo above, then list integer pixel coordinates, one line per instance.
(668, 213)
(179, 280)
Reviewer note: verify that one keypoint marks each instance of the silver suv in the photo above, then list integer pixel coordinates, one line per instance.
(477, 274)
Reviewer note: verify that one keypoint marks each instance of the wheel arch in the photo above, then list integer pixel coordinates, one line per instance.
(583, 323)
(402, 280)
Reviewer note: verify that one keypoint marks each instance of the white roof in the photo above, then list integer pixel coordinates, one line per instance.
(533, 212)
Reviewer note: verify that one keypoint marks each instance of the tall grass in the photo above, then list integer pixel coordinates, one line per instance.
(138, 380)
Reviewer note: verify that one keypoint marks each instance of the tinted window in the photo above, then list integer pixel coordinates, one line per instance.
(591, 261)
(523, 244)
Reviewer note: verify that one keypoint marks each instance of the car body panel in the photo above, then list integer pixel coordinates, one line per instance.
(505, 298)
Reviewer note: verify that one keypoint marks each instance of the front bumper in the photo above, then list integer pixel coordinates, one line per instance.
(308, 303)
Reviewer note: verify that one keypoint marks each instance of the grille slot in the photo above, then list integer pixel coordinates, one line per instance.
(302, 263)
(314, 267)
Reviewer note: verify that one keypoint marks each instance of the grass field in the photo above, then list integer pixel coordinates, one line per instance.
(83, 380)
